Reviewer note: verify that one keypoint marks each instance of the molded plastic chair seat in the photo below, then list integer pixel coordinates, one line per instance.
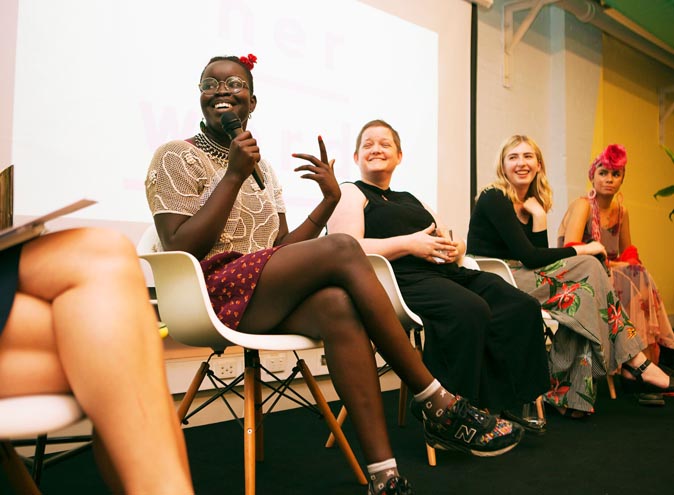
(32, 416)
(185, 308)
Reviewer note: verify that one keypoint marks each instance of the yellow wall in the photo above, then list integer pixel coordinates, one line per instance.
(628, 113)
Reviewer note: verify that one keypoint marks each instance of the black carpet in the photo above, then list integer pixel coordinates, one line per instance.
(623, 449)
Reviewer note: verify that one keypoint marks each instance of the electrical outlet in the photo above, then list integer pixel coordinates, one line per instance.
(275, 362)
(225, 367)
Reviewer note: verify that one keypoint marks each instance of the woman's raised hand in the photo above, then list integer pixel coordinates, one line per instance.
(592, 248)
(321, 170)
(534, 208)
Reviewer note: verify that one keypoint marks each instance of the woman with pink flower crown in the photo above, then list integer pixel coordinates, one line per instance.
(595, 335)
(602, 216)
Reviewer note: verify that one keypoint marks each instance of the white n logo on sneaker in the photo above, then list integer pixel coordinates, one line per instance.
(464, 433)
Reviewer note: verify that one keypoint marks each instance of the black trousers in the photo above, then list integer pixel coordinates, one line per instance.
(483, 337)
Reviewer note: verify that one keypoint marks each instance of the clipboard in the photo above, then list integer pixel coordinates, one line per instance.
(33, 228)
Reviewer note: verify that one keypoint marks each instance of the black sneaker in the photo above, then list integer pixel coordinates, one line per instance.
(468, 429)
(393, 486)
(416, 410)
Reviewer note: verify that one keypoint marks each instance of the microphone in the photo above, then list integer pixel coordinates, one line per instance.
(232, 126)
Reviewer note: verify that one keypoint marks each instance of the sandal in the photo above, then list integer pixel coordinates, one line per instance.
(535, 427)
(651, 400)
(638, 385)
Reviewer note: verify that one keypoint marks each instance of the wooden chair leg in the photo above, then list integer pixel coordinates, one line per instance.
(540, 411)
(340, 421)
(188, 398)
(249, 429)
(402, 400)
(16, 471)
(402, 404)
(611, 386)
(335, 428)
(430, 454)
(259, 424)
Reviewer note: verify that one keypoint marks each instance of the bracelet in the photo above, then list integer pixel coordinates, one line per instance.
(315, 223)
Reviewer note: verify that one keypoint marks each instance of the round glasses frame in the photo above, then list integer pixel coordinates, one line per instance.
(233, 84)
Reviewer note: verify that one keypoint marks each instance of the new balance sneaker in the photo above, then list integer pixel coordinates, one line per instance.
(393, 486)
(466, 428)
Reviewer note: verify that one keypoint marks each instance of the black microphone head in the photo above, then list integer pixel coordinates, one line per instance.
(230, 123)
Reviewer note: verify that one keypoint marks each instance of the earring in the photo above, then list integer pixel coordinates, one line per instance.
(250, 115)
(202, 126)
(592, 194)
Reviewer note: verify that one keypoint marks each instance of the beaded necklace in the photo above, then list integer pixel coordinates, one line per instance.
(210, 147)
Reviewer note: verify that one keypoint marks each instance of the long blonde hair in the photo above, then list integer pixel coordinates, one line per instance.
(539, 188)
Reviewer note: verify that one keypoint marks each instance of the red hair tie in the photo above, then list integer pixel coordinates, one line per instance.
(249, 61)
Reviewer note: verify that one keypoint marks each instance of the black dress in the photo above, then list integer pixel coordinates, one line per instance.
(483, 337)
(9, 275)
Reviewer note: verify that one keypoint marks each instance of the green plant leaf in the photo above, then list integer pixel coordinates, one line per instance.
(669, 152)
(667, 191)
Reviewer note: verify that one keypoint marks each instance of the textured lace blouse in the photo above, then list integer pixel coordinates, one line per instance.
(182, 176)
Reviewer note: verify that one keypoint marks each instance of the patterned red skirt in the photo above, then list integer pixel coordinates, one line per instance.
(231, 279)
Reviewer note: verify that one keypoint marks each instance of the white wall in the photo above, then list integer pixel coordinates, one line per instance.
(555, 78)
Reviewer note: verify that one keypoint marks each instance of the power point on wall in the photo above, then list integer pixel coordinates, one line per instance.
(225, 367)
(275, 362)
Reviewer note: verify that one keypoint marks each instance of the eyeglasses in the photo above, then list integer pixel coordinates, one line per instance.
(233, 84)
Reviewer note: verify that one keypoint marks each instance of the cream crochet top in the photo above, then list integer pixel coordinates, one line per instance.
(182, 176)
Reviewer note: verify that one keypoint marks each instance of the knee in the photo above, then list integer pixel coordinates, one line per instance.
(334, 307)
(103, 249)
(590, 263)
(344, 248)
(527, 304)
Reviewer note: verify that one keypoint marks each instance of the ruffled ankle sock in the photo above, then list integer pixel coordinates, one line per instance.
(435, 400)
(380, 472)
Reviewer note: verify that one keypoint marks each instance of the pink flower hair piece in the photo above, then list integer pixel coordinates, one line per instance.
(614, 157)
(249, 61)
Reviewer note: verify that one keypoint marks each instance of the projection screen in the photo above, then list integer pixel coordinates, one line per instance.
(90, 88)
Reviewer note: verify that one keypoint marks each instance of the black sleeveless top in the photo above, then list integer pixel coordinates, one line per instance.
(392, 213)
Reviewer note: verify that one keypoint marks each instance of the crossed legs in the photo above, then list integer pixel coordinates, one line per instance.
(81, 322)
(327, 288)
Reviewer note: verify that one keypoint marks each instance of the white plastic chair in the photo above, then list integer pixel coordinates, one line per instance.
(185, 308)
(501, 268)
(32, 416)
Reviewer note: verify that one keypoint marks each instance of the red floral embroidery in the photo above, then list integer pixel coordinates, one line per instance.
(565, 297)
